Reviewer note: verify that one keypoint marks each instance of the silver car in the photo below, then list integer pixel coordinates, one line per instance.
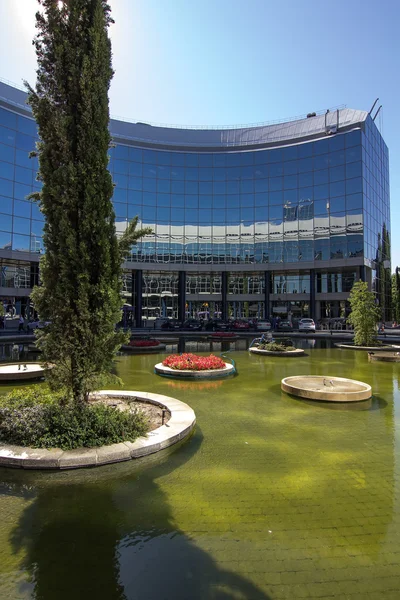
(306, 325)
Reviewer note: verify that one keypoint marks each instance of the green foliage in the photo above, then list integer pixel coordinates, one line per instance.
(364, 315)
(396, 295)
(81, 272)
(41, 419)
(275, 347)
(2, 311)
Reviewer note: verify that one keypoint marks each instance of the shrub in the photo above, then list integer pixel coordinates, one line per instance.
(275, 347)
(192, 362)
(38, 418)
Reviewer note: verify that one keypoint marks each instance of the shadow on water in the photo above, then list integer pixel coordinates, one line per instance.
(109, 534)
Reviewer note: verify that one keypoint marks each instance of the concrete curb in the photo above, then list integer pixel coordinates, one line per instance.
(180, 426)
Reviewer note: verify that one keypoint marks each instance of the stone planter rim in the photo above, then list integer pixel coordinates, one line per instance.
(179, 427)
(161, 369)
(296, 352)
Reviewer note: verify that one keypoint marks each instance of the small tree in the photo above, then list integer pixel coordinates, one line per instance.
(82, 269)
(364, 315)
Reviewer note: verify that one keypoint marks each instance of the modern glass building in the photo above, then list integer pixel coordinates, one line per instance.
(262, 221)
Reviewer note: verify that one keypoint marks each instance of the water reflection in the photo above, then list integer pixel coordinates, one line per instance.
(111, 535)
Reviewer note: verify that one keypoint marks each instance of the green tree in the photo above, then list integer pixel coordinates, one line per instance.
(81, 270)
(396, 295)
(364, 315)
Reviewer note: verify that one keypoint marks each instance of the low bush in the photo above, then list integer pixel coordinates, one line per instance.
(275, 347)
(43, 419)
(192, 362)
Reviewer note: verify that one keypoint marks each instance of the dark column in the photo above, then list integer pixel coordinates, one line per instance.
(267, 291)
(362, 273)
(224, 291)
(34, 278)
(312, 294)
(182, 296)
(138, 297)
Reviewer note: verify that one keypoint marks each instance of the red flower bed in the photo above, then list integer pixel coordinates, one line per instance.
(143, 343)
(224, 334)
(192, 362)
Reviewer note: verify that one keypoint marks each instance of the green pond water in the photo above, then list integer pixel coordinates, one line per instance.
(272, 497)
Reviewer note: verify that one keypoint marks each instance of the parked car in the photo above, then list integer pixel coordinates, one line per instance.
(37, 325)
(217, 325)
(285, 326)
(171, 324)
(193, 325)
(241, 325)
(264, 325)
(306, 325)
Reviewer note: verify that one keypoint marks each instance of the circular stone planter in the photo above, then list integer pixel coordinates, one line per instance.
(328, 389)
(384, 357)
(179, 427)
(288, 353)
(18, 372)
(160, 369)
(142, 349)
(369, 348)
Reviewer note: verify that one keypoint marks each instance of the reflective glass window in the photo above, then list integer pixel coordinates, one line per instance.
(276, 184)
(353, 154)
(149, 185)
(275, 155)
(149, 198)
(8, 118)
(321, 162)
(6, 187)
(321, 192)
(7, 153)
(149, 156)
(354, 201)
(24, 175)
(205, 187)
(261, 185)
(353, 170)
(337, 158)
(21, 225)
(21, 243)
(36, 227)
(5, 240)
(6, 205)
(305, 179)
(337, 188)
(353, 138)
(336, 173)
(120, 180)
(7, 136)
(336, 143)
(205, 160)
(290, 182)
(163, 185)
(36, 212)
(354, 185)
(337, 204)
(6, 170)
(5, 222)
(276, 170)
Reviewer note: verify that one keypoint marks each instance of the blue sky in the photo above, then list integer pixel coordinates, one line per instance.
(220, 62)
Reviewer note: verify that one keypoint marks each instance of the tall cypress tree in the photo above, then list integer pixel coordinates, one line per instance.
(81, 270)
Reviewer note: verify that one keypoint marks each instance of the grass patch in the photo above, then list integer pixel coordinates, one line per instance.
(39, 418)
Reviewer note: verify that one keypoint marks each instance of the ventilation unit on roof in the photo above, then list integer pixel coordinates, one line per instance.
(313, 114)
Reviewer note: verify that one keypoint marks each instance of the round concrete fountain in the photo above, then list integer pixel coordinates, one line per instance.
(21, 371)
(326, 388)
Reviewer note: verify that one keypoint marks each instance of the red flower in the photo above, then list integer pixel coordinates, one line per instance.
(193, 362)
(143, 343)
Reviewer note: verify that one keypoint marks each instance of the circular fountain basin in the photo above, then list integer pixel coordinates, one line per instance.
(161, 369)
(383, 348)
(21, 371)
(288, 353)
(384, 357)
(326, 388)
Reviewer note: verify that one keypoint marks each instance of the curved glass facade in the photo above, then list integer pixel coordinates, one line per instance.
(246, 225)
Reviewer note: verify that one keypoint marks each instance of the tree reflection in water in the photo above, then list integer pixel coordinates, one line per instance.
(108, 534)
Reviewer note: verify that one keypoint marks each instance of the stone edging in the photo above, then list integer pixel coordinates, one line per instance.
(288, 353)
(160, 369)
(180, 426)
(382, 348)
